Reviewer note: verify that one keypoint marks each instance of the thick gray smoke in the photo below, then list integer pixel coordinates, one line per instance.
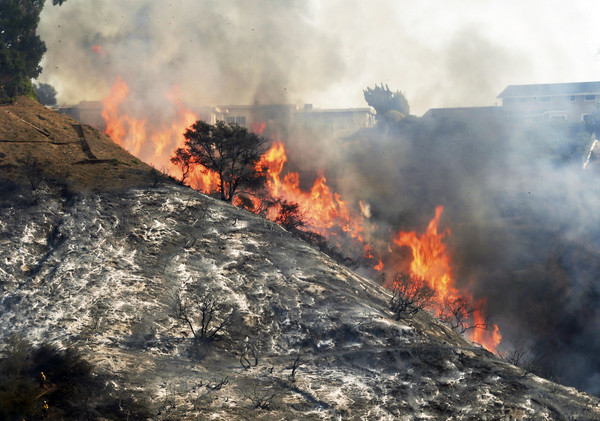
(216, 52)
(309, 51)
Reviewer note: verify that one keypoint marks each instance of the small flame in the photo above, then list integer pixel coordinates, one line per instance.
(323, 210)
(259, 128)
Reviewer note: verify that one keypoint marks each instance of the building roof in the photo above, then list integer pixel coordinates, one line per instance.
(335, 110)
(460, 111)
(576, 88)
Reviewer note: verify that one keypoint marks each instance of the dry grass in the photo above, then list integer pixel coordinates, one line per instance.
(30, 131)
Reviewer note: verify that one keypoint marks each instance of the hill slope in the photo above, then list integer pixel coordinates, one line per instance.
(33, 137)
(306, 339)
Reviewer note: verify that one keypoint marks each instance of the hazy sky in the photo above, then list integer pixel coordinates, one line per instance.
(440, 53)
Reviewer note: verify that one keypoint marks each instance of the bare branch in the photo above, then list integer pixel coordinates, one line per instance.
(202, 312)
(458, 314)
(410, 294)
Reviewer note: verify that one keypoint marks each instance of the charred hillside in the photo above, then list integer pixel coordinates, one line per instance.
(121, 269)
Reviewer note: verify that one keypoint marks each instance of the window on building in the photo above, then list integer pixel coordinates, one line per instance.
(590, 97)
(572, 98)
(545, 99)
(240, 120)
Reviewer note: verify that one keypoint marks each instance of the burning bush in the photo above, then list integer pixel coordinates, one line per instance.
(409, 295)
(229, 150)
(290, 216)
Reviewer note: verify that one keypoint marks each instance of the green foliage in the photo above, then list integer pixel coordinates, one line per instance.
(226, 149)
(21, 49)
(390, 107)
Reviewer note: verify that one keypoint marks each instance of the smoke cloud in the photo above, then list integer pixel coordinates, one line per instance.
(319, 52)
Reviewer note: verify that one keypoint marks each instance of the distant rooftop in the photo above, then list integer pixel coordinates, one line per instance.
(575, 88)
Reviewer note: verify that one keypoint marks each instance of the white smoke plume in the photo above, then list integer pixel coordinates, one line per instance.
(322, 52)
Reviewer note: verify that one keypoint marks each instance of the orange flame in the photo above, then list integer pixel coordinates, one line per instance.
(431, 262)
(323, 210)
(124, 130)
(156, 148)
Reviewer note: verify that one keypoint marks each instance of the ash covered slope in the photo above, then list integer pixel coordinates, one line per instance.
(100, 270)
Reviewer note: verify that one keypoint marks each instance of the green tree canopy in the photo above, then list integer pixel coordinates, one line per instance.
(21, 49)
(389, 106)
(227, 149)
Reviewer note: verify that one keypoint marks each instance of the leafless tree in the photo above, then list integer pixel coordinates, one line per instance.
(531, 363)
(458, 313)
(217, 385)
(250, 353)
(294, 368)
(203, 312)
(33, 170)
(409, 295)
(262, 399)
(157, 176)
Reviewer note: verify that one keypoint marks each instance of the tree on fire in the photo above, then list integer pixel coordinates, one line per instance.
(21, 49)
(409, 295)
(458, 314)
(227, 149)
(390, 107)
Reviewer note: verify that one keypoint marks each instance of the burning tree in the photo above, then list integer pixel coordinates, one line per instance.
(229, 150)
(409, 295)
